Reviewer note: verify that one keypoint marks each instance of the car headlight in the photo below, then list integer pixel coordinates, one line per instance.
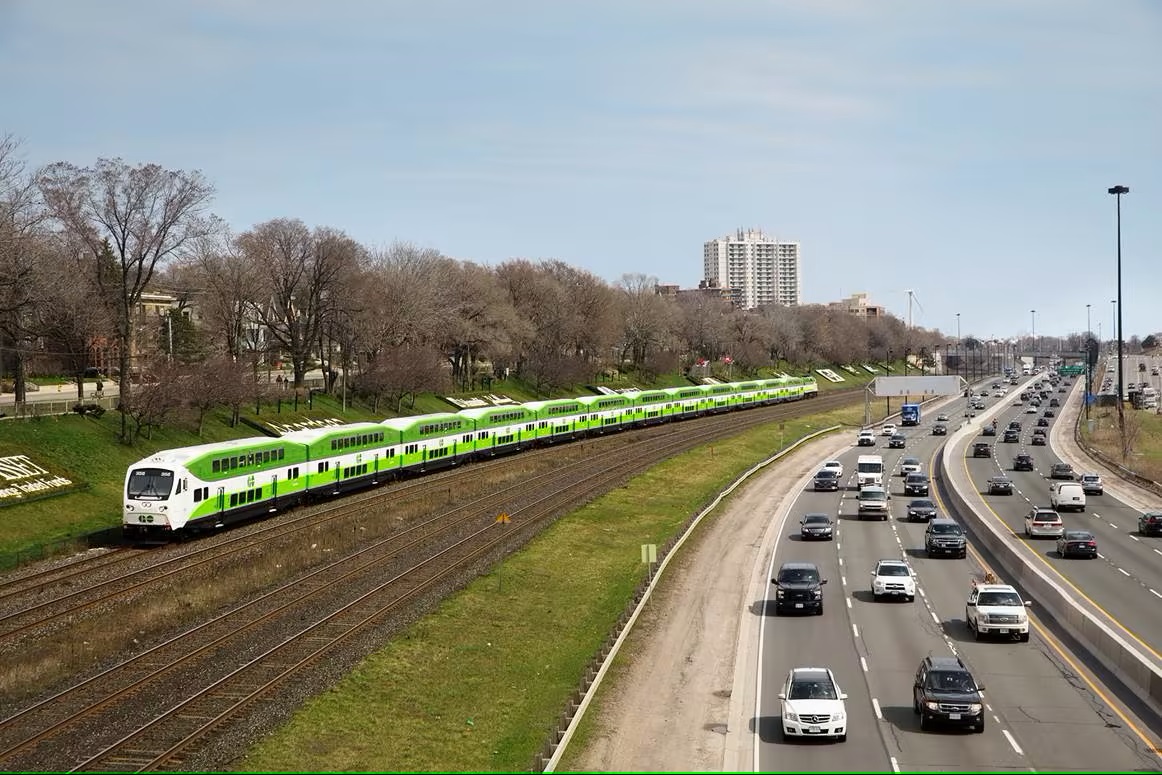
(790, 716)
(838, 716)
(779, 593)
(818, 593)
(930, 705)
(974, 707)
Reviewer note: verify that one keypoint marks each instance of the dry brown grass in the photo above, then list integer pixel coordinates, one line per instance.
(1143, 435)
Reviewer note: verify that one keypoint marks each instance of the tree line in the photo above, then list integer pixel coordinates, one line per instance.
(79, 246)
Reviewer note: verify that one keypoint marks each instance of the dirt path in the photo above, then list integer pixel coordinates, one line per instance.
(672, 704)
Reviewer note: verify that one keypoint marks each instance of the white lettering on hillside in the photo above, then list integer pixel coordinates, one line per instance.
(26, 478)
(19, 467)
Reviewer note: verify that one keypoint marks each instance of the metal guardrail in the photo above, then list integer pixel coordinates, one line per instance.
(1126, 473)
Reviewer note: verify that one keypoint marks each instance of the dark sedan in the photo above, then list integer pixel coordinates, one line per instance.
(897, 441)
(1077, 543)
(816, 526)
(921, 510)
(1023, 462)
(1150, 523)
(939, 430)
(988, 430)
(1038, 441)
(1000, 485)
(981, 449)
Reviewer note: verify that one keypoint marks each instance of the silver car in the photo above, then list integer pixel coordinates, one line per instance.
(1043, 522)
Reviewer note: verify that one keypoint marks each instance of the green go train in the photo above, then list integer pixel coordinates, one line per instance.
(208, 486)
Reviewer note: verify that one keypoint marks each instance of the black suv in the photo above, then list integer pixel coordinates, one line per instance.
(1023, 462)
(798, 587)
(1150, 523)
(1012, 436)
(897, 441)
(981, 449)
(944, 692)
(945, 536)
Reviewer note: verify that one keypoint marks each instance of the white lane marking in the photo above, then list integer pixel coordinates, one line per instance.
(843, 580)
(989, 708)
(1115, 527)
(863, 664)
(1099, 554)
(1123, 571)
(1135, 538)
(876, 708)
(935, 618)
(895, 764)
(841, 562)
(848, 602)
(1156, 592)
(1157, 551)
(855, 629)
(838, 547)
(1012, 742)
(921, 591)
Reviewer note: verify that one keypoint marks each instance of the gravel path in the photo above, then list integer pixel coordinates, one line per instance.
(674, 705)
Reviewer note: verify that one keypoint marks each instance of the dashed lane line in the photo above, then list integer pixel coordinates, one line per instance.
(863, 663)
(1124, 572)
(876, 708)
(855, 630)
(1012, 742)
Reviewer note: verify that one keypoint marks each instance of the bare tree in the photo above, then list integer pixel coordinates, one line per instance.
(648, 318)
(400, 373)
(24, 288)
(147, 215)
(299, 269)
(476, 318)
(227, 286)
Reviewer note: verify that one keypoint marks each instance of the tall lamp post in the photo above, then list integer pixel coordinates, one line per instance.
(959, 346)
(1088, 364)
(1117, 192)
(1033, 337)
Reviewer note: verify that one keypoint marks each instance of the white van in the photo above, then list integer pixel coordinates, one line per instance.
(1067, 495)
(869, 469)
(873, 501)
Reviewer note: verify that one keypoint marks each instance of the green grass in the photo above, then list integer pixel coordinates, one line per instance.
(479, 684)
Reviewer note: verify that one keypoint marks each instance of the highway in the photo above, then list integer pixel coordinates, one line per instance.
(1042, 712)
(1126, 579)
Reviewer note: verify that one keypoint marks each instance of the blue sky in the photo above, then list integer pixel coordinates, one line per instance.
(958, 149)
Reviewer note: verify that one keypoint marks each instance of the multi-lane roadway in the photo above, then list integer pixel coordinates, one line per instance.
(1043, 710)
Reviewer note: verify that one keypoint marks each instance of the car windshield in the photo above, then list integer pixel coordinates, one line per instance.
(1078, 535)
(798, 575)
(892, 570)
(922, 505)
(946, 529)
(812, 519)
(872, 495)
(951, 681)
(822, 689)
(911, 461)
(999, 598)
(1046, 517)
(827, 473)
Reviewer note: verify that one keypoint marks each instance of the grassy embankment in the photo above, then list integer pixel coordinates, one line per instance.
(1144, 428)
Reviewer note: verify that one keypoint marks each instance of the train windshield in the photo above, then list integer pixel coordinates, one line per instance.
(150, 483)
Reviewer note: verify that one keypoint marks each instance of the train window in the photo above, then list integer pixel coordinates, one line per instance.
(233, 499)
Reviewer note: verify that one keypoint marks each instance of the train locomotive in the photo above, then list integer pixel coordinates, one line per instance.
(178, 492)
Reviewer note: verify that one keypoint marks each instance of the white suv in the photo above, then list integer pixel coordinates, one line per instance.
(893, 578)
(997, 609)
(813, 704)
(888, 429)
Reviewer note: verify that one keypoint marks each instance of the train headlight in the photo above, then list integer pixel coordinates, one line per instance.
(129, 507)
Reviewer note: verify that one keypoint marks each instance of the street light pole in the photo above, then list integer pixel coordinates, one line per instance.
(1117, 192)
(959, 346)
(1033, 337)
(1088, 364)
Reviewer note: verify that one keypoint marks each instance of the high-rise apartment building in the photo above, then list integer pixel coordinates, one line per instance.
(763, 269)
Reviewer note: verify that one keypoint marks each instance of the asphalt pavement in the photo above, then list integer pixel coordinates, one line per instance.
(1044, 711)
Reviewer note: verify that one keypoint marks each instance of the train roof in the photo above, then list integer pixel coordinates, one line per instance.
(182, 455)
(308, 435)
(406, 423)
(477, 412)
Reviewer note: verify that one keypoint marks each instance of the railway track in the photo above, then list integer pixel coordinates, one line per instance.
(153, 710)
